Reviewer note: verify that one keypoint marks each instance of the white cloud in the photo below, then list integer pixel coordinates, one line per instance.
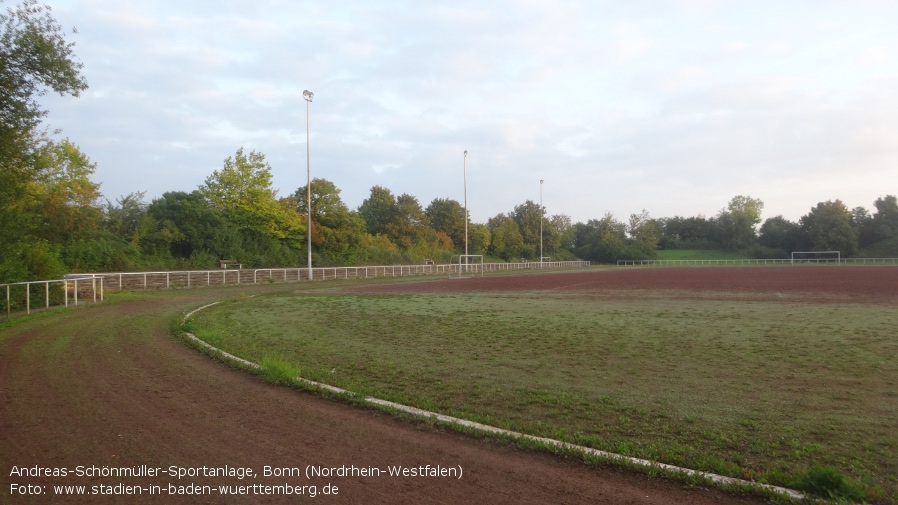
(630, 43)
(738, 47)
(876, 55)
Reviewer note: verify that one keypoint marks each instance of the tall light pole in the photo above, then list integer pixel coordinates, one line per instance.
(541, 223)
(308, 96)
(465, 163)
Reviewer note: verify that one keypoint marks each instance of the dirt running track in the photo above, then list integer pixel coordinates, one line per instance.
(860, 284)
(107, 386)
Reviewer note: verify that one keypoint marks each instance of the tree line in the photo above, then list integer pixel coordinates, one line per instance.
(54, 219)
(828, 226)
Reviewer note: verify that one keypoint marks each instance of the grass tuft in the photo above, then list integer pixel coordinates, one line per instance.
(278, 371)
(827, 482)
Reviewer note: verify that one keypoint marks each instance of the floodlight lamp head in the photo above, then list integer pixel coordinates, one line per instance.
(541, 181)
(466, 153)
(308, 95)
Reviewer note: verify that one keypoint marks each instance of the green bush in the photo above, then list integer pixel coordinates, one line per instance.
(758, 251)
(887, 248)
(29, 260)
(103, 254)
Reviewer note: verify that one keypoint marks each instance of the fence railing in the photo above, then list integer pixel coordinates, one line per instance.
(803, 261)
(55, 292)
(170, 279)
(220, 277)
(299, 274)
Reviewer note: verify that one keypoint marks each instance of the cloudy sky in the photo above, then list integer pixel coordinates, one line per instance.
(669, 106)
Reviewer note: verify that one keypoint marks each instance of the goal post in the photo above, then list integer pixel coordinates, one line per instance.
(465, 263)
(816, 257)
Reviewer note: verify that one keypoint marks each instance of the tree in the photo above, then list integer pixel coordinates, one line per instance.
(529, 217)
(123, 216)
(506, 241)
(336, 231)
(885, 220)
(327, 206)
(34, 57)
(65, 199)
(378, 210)
(406, 227)
(779, 233)
(560, 236)
(645, 233)
(736, 224)
(478, 238)
(695, 232)
(863, 224)
(188, 228)
(448, 216)
(601, 240)
(378, 250)
(829, 228)
(242, 192)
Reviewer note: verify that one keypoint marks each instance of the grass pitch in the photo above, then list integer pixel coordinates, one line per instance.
(763, 390)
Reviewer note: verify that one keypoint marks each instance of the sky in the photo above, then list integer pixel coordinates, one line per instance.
(672, 107)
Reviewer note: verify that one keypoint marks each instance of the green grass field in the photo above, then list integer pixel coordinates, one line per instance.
(756, 389)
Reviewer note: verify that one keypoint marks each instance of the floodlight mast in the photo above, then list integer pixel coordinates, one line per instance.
(465, 163)
(308, 95)
(541, 181)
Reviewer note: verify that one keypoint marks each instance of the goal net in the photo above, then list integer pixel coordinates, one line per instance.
(466, 264)
(816, 257)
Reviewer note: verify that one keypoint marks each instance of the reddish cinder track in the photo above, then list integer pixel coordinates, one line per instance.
(860, 284)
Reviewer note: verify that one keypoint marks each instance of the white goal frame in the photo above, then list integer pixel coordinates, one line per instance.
(465, 264)
(837, 259)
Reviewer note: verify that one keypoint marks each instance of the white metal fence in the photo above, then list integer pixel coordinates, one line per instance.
(55, 292)
(796, 261)
(197, 278)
